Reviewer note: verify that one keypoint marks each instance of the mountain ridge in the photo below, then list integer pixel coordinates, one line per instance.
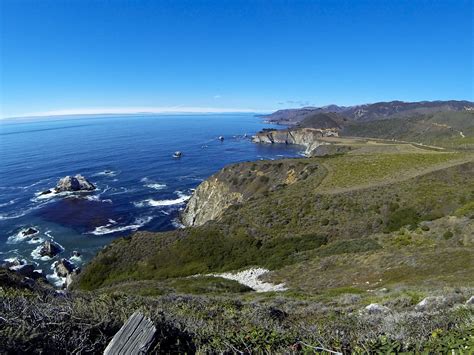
(370, 111)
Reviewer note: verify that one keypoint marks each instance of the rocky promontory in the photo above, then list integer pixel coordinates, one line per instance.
(238, 183)
(311, 138)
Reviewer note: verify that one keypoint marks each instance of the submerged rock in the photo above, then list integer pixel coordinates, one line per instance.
(50, 248)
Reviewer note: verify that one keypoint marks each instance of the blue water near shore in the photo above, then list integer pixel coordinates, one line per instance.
(129, 158)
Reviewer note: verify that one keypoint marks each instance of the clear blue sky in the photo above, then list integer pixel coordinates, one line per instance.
(61, 55)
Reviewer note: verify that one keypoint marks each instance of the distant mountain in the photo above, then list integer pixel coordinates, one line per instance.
(323, 120)
(370, 112)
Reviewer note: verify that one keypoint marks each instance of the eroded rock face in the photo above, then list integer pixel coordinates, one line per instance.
(239, 182)
(308, 137)
(50, 249)
(208, 202)
(74, 183)
(65, 268)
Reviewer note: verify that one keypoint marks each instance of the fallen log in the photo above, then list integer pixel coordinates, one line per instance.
(135, 337)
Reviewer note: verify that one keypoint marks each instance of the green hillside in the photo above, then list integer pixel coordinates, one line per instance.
(445, 129)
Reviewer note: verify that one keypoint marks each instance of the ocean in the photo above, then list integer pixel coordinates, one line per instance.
(140, 186)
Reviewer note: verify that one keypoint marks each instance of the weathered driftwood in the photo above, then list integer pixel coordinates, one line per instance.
(135, 337)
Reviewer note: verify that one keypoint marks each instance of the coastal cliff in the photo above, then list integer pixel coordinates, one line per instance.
(307, 137)
(208, 202)
(238, 183)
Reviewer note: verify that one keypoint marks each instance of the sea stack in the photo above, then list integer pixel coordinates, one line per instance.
(74, 183)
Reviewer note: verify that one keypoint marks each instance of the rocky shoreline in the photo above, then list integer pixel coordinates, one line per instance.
(65, 270)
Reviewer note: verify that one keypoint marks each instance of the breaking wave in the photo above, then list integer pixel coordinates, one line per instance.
(112, 228)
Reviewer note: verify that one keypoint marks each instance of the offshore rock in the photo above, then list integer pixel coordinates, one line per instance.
(74, 183)
(50, 249)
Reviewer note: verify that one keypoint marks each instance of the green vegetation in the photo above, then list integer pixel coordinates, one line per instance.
(454, 130)
(42, 319)
(384, 223)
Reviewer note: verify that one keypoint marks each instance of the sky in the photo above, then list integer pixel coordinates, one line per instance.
(82, 56)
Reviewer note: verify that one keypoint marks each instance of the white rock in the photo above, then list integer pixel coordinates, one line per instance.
(250, 278)
(375, 308)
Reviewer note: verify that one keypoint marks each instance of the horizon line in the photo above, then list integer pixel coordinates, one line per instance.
(176, 110)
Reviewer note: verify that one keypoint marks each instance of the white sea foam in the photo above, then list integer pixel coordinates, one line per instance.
(97, 198)
(9, 203)
(20, 237)
(36, 252)
(15, 215)
(52, 194)
(76, 259)
(156, 186)
(54, 278)
(161, 203)
(111, 173)
(110, 227)
(177, 224)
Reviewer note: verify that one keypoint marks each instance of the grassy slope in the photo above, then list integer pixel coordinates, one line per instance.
(347, 204)
(385, 223)
(441, 129)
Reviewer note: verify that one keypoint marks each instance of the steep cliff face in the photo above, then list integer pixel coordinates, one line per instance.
(307, 137)
(237, 183)
(208, 202)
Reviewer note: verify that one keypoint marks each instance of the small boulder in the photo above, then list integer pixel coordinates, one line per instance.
(375, 308)
(432, 302)
(74, 183)
(50, 248)
(470, 301)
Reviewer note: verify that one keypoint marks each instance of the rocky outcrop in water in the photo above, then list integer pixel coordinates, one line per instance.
(74, 183)
(71, 184)
(311, 138)
(66, 269)
(50, 249)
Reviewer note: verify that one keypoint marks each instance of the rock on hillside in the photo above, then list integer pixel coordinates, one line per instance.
(239, 182)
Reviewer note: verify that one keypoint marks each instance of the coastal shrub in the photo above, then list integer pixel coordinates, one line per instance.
(349, 246)
(207, 250)
(402, 217)
(448, 235)
(465, 210)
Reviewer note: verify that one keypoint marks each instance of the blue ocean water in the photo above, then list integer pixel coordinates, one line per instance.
(140, 186)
